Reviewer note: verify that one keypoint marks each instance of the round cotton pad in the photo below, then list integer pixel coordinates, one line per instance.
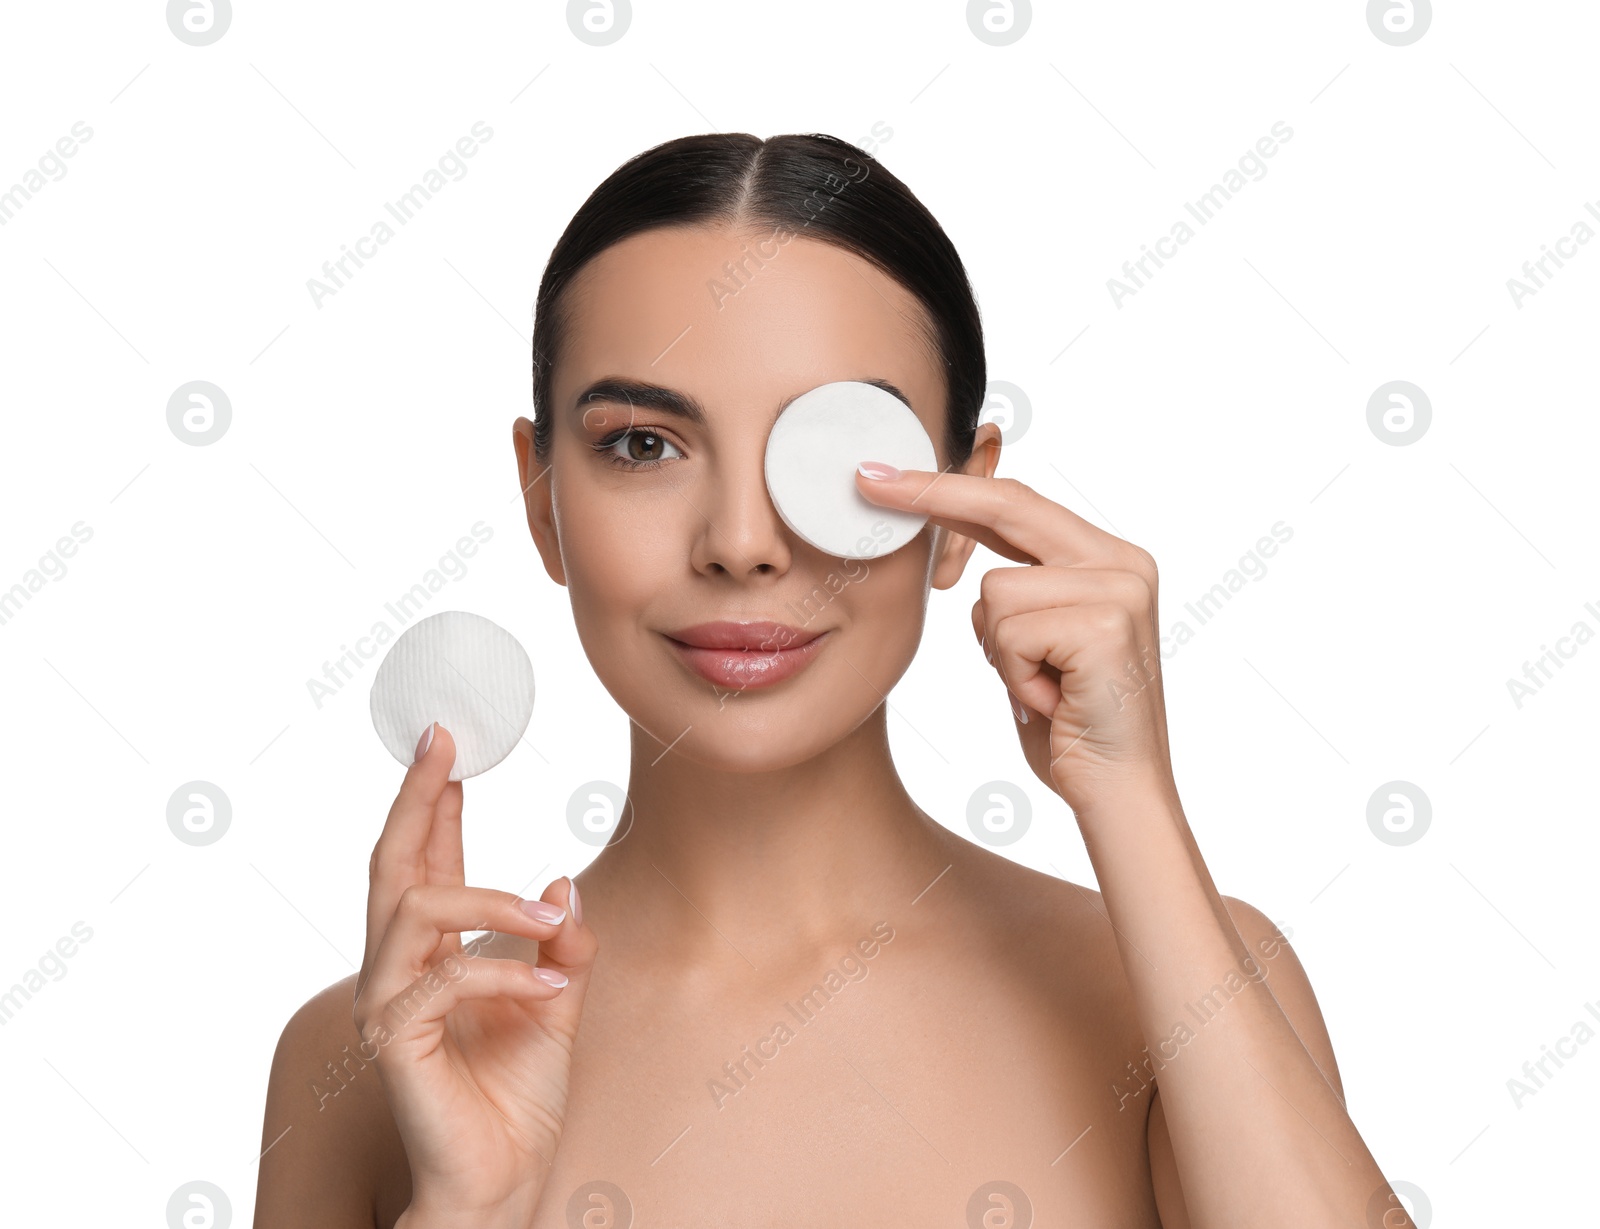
(463, 671)
(812, 452)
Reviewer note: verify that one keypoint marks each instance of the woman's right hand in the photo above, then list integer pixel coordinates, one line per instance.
(474, 1051)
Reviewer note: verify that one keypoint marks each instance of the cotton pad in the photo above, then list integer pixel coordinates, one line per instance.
(463, 671)
(812, 453)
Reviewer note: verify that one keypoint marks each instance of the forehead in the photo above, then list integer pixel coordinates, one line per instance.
(742, 321)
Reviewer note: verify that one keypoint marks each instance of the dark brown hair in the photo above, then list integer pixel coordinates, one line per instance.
(810, 184)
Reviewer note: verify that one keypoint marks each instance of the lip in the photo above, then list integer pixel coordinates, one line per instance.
(752, 637)
(740, 656)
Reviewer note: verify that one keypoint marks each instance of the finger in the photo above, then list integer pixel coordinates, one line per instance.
(983, 623)
(426, 913)
(441, 988)
(1008, 591)
(443, 856)
(1007, 516)
(400, 859)
(980, 629)
(571, 950)
(1097, 637)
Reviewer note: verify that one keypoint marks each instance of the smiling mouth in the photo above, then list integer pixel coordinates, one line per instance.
(741, 656)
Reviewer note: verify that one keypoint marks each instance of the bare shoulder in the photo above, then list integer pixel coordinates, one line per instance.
(1056, 932)
(329, 1143)
(1064, 943)
(1013, 896)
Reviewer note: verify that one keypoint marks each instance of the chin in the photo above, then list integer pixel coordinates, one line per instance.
(754, 731)
(733, 752)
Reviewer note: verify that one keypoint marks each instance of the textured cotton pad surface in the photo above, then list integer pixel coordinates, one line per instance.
(463, 671)
(812, 453)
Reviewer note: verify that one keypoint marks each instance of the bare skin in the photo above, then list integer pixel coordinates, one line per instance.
(988, 1035)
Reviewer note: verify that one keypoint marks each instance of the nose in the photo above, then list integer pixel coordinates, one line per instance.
(741, 533)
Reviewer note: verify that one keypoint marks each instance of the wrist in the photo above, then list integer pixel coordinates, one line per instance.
(515, 1212)
(1130, 803)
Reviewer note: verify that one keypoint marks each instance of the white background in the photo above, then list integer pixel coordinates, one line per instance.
(368, 435)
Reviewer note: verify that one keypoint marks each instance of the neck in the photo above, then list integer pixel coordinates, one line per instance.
(714, 870)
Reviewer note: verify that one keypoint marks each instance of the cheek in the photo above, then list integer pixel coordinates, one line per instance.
(617, 555)
(887, 595)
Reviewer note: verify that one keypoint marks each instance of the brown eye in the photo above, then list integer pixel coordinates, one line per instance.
(647, 441)
(640, 448)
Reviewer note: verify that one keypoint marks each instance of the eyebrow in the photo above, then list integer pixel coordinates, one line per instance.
(640, 395)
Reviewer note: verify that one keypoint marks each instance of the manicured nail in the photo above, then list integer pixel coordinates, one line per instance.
(577, 905)
(551, 977)
(1016, 707)
(542, 912)
(983, 642)
(424, 742)
(877, 469)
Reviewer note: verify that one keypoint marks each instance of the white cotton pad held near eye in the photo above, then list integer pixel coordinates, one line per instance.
(812, 453)
(463, 671)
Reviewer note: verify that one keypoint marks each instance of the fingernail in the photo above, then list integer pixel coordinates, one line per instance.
(983, 642)
(540, 911)
(424, 743)
(551, 977)
(877, 469)
(1016, 707)
(577, 905)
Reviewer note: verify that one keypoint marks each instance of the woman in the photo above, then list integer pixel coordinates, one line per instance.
(783, 994)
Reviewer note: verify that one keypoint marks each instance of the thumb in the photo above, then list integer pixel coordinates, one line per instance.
(572, 951)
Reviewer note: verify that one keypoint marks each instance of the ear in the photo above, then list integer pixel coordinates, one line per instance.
(955, 548)
(534, 478)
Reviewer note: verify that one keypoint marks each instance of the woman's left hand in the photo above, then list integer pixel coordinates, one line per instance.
(1073, 635)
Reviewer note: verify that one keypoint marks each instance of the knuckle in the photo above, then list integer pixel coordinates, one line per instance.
(1014, 488)
(457, 968)
(1136, 590)
(412, 899)
(996, 583)
(1110, 621)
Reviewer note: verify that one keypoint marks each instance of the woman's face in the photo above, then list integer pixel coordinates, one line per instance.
(689, 535)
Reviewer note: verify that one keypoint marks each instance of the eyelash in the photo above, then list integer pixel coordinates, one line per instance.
(604, 446)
